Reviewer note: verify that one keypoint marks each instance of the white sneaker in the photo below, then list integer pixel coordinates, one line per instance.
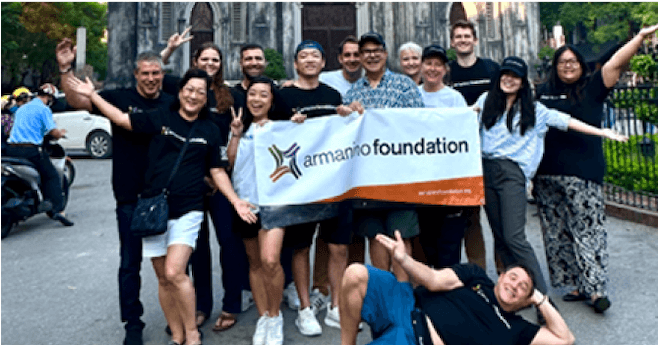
(333, 317)
(247, 300)
(261, 329)
(307, 324)
(319, 301)
(290, 295)
(275, 330)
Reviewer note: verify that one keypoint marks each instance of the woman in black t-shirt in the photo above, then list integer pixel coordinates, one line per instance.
(568, 183)
(169, 127)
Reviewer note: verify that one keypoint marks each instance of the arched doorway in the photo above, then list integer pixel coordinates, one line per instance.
(201, 20)
(328, 23)
(457, 12)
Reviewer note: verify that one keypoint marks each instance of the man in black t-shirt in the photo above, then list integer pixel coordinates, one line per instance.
(453, 306)
(471, 76)
(305, 98)
(129, 163)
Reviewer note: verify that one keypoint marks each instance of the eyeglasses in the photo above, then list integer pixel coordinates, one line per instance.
(571, 62)
(367, 52)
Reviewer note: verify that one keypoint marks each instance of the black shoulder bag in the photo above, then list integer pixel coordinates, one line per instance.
(151, 214)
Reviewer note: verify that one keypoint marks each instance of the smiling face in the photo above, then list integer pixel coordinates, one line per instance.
(433, 69)
(510, 83)
(373, 57)
(463, 41)
(309, 62)
(513, 289)
(149, 79)
(193, 96)
(410, 62)
(209, 61)
(259, 100)
(569, 69)
(350, 58)
(253, 62)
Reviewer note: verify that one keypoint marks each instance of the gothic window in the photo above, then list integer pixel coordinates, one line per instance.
(238, 21)
(167, 21)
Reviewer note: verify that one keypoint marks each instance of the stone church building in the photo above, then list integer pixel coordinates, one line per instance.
(503, 28)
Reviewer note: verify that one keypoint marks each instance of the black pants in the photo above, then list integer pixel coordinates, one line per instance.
(441, 231)
(130, 250)
(505, 196)
(51, 185)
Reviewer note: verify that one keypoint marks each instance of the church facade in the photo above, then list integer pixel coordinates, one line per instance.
(503, 29)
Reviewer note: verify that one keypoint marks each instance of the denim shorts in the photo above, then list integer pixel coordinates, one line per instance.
(183, 230)
(387, 308)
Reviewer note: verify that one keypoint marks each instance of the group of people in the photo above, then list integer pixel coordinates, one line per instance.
(453, 304)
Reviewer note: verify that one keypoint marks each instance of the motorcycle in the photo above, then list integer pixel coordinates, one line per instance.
(21, 195)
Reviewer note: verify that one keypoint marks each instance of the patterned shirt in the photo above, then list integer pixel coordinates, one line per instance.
(526, 150)
(393, 91)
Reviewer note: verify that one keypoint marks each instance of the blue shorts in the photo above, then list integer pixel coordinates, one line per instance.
(387, 308)
(183, 230)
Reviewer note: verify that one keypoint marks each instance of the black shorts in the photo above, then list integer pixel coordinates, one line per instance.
(244, 229)
(301, 235)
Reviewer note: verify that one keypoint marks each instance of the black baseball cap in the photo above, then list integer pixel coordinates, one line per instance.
(515, 64)
(434, 50)
(372, 37)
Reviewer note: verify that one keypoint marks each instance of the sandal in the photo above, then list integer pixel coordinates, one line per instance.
(201, 318)
(224, 317)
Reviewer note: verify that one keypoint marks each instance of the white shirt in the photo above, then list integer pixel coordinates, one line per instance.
(336, 80)
(447, 97)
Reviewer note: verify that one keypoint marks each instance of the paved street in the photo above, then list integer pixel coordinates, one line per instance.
(59, 285)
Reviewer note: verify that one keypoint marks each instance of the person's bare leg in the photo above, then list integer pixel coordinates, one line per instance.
(270, 242)
(336, 268)
(353, 291)
(256, 274)
(178, 256)
(167, 301)
(379, 255)
(301, 274)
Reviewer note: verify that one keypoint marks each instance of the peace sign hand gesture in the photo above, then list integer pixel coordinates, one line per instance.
(176, 39)
(236, 125)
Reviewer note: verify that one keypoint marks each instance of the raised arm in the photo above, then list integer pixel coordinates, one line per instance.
(175, 41)
(612, 69)
(65, 54)
(556, 331)
(434, 280)
(236, 133)
(113, 113)
(579, 126)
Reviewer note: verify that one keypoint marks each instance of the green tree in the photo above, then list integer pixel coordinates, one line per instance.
(275, 68)
(30, 32)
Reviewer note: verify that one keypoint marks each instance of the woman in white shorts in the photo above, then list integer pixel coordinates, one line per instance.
(168, 129)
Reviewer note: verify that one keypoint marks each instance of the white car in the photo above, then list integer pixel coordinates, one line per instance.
(84, 131)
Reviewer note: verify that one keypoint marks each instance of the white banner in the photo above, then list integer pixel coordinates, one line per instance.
(421, 156)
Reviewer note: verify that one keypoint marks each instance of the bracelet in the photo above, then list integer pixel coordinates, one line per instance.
(66, 70)
(542, 301)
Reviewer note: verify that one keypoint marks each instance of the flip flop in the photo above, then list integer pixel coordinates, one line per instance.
(219, 324)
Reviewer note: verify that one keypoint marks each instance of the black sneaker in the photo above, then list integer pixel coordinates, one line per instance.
(133, 337)
(599, 305)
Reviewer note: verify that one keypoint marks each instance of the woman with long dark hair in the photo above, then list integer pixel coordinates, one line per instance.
(511, 131)
(232, 256)
(169, 127)
(263, 245)
(569, 182)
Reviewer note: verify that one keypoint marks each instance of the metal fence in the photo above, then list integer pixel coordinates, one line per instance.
(632, 173)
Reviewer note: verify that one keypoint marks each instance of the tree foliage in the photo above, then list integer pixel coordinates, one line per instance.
(604, 21)
(31, 30)
(275, 68)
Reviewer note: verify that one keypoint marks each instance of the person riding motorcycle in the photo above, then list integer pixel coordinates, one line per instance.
(31, 123)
